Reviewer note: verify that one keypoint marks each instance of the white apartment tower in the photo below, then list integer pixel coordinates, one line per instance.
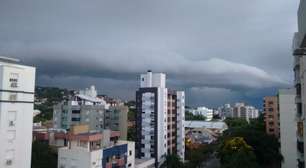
(299, 52)
(17, 85)
(160, 119)
(287, 111)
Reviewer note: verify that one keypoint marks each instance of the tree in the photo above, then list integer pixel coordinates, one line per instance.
(172, 161)
(43, 156)
(189, 116)
(265, 147)
(236, 153)
(197, 156)
(236, 122)
(131, 134)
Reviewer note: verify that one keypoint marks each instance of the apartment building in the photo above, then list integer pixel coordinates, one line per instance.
(298, 47)
(86, 107)
(226, 111)
(203, 111)
(116, 119)
(16, 116)
(288, 127)
(271, 115)
(159, 120)
(86, 149)
(175, 124)
(241, 110)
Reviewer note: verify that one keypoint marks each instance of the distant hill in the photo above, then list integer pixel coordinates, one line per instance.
(45, 98)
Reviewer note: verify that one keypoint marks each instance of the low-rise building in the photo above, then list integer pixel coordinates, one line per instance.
(202, 111)
(87, 149)
(85, 107)
(216, 126)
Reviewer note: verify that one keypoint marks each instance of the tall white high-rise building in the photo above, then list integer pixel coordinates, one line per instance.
(287, 111)
(16, 113)
(299, 52)
(160, 119)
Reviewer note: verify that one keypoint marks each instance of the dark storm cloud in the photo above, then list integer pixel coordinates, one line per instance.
(209, 48)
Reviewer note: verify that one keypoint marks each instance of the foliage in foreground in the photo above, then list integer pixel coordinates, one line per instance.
(196, 157)
(265, 147)
(191, 117)
(173, 161)
(236, 153)
(43, 156)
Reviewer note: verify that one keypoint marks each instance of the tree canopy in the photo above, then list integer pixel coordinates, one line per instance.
(236, 153)
(265, 147)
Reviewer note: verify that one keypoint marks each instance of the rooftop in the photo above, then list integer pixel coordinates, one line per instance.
(206, 124)
(9, 60)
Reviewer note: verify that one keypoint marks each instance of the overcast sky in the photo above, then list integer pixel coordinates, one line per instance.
(218, 51)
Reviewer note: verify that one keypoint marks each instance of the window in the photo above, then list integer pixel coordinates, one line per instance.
(13, 97)
(11, 118)
(9, 162)
(130, 152)
(9, 155)
(75, 119)
(14, 80)
(76, 111)
(11, 135)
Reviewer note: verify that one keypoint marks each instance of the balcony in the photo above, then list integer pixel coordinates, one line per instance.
(300, 157)
(297, 42)
(300, 146)
(298, 99)
(301, 164)
(299, 111)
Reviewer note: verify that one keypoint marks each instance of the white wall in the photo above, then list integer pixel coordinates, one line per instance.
(287, 110)
(131, 155)
(16, 140)
(162, 124)
(79, 158)
(153, 80)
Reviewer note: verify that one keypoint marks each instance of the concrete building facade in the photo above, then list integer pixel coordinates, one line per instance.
(299, 53)
(94, 150)
(271, 115)
(160, 119)
(17, 85)
(241, 110)
(86, 108)
(288, 127)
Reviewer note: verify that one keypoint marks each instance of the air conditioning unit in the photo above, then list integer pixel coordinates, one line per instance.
(9, 162)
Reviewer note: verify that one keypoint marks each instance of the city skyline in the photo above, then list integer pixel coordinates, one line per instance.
(108, 43)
